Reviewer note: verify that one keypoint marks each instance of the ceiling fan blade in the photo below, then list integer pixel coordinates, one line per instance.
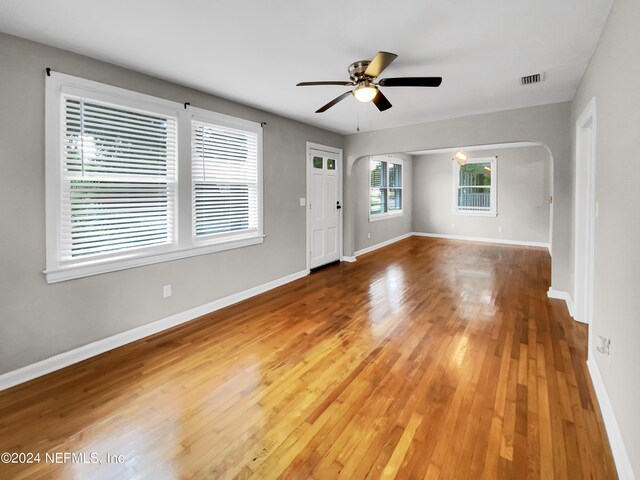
(381, 61)
(411, 82)
(313, 84)
(381, 102)
(333, 102)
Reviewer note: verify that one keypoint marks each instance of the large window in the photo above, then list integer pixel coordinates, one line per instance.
(385, 187)
(474, 187)
(225, 180)
(122, 190)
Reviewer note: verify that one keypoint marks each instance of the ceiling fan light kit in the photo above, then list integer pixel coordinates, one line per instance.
(365, 92)
(363, 74)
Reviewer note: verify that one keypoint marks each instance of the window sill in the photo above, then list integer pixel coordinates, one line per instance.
(476, 214)
(95, 268)
(385, 216)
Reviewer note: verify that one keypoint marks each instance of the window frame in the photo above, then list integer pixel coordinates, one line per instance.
(376, 217)
(493, 190)
(201, 115)
(182, 245)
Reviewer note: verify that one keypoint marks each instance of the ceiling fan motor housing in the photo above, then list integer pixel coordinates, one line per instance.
(356, 70)
(363, 74)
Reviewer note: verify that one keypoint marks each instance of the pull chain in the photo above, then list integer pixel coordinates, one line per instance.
(370, 122)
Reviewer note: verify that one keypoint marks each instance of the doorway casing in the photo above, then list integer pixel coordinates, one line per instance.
(585, 214)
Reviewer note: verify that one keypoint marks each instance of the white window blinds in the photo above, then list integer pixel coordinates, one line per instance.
(225, 180)
(118, 178)
(133, 179)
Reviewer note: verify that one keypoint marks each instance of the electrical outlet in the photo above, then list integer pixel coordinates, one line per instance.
(603, 346)
(368, 235)
(500, 228)
(166, 291)
(453, 226)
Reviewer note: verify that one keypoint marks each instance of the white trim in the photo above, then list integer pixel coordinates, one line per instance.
(385, 216)
(620, 455)
(382, 244)
(88, 269)
(348, 259)
(523, 243)
(449, 237)
(475, 148)
(336, 151)
(76, 355)
(562, 295)
(584, 212)
(493, 188)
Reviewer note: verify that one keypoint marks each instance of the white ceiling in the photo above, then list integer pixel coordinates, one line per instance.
(255, 51)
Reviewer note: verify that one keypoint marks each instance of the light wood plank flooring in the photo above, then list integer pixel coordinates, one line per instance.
(427, 359)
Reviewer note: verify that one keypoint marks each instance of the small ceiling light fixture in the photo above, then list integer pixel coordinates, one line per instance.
(460, 157)
(365, 92)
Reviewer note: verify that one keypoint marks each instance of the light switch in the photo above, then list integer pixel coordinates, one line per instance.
(303, 201)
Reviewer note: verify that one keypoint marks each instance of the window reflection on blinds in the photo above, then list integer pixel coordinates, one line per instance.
(474, 190)
(395, 186)
(118, 180)
(378, 191)
(225, 179)
(385, 192)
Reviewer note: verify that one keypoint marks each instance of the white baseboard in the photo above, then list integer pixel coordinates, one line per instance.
(451, 237)
(562, 295)
(383, 244)
(76, 355)
(348, 259)
(483, 239)
(620, 455)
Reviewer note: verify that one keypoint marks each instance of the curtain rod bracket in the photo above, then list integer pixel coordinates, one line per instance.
(262, 124)
(48, 70)
(186, 104)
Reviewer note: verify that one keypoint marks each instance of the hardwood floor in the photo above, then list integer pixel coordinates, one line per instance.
(428, 359)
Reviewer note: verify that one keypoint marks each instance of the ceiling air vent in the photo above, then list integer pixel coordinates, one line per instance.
(530, 79)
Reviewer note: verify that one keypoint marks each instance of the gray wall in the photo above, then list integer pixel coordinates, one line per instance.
(613, 77)
(39, 320)
(522, 193)
(547, 125)
(387, 228)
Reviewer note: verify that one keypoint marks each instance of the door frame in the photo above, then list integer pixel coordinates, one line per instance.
(585, 217)
(338, 152)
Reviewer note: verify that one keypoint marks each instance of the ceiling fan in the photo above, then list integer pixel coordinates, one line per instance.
(363, 75)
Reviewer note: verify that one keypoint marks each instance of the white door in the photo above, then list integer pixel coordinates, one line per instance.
(324, 207)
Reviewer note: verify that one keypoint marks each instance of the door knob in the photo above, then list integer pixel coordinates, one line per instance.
(338, 206)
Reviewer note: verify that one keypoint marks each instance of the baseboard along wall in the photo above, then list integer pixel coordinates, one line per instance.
(618, 449)
(562, 295)
(79, 354)
(522, 243)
